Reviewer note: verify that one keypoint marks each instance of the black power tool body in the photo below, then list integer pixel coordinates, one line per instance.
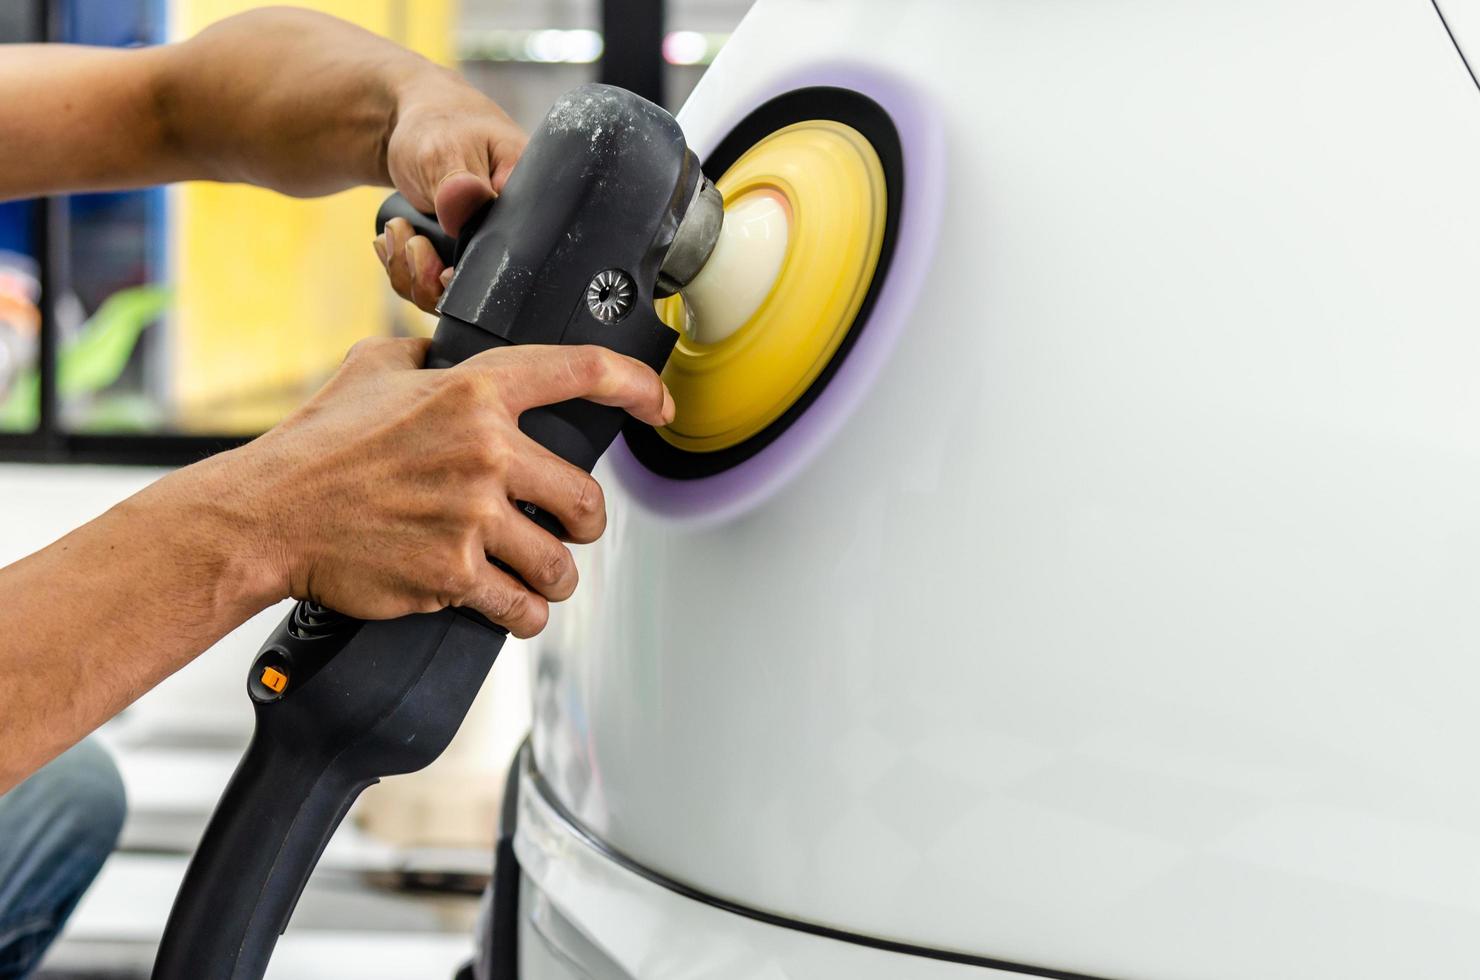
(606, 210)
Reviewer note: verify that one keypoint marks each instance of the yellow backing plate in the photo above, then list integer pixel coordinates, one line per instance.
(833, 183)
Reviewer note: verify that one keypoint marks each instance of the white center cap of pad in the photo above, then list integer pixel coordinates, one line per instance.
(743, 267)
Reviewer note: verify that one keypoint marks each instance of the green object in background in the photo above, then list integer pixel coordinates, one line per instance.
(93, 359)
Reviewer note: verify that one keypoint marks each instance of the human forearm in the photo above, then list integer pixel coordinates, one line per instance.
(77, 118)
(307, 104)
(288, 99)
(96, 619)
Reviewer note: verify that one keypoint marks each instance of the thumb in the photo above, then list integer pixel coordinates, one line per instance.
(458, 197)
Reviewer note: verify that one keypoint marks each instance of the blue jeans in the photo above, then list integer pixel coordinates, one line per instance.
(56, 829)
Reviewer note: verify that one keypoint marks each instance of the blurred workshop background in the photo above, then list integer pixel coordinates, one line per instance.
(144, 330)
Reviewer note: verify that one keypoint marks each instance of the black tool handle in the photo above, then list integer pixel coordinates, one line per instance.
(362, 700)
(246, 877)
(396, 206)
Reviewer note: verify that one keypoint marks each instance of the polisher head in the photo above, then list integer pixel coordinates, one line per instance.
(804, 218)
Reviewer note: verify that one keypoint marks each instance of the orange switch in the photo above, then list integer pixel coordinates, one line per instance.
(274, 679)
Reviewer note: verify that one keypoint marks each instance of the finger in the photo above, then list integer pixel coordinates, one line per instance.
(540, 559)
(499, 596)
(505, 153)
(568, 492)
(426, 272)
(397, 233)
(530, 375)
(459, 195)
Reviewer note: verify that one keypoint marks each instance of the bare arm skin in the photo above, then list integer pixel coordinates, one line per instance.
(288, 99)
(381, 496)
(387, 492)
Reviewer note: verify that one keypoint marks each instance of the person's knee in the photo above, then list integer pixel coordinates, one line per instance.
(82, 796)
(56, 830)
(92, 790)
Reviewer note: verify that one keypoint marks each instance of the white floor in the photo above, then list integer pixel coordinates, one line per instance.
(115, 931)
(348, 923)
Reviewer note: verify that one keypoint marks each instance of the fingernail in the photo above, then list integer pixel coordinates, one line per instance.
(446, 278)
(379, 244)
(669, 408)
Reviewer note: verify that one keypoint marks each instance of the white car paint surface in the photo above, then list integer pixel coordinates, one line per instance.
(1128, 624)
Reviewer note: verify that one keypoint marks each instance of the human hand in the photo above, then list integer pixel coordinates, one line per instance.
(388, 491)
(449, 153)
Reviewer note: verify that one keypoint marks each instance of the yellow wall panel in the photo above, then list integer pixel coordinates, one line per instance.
(271, 291)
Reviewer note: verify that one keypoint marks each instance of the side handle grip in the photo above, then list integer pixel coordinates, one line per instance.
(397, 206)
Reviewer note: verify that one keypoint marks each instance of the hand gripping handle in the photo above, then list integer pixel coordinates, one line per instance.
(449, 248)
(397, 206)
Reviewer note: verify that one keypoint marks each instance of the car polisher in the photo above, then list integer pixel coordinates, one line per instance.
(607, 211)
(806, 210)
(606, 220)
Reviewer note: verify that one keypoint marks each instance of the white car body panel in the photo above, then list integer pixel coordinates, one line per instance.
(1125, 624)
